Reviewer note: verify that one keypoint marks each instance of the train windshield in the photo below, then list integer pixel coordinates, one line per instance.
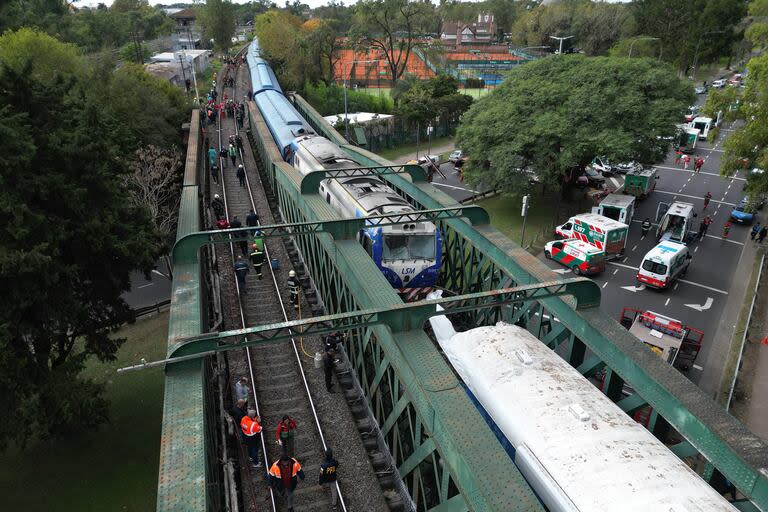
(408, 247)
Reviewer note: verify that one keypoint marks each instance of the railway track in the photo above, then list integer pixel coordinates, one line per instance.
(276, 372)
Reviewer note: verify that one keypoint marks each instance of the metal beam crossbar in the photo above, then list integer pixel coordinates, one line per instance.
(399, 317)
(343, 229)
(311, 182)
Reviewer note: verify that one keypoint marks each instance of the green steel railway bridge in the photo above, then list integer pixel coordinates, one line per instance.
(437, 438)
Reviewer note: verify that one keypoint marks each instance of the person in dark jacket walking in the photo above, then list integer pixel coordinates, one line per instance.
(293, 289)
(241, 270)
(215, 174)
(328, 359)
(284, 476)
(238, 411)
(252, 220)
(223, 153)
(239, 142)
(257, 259)
(218, 206)
(762, 234)
(235, 223)
(241, 175)
(328, 474)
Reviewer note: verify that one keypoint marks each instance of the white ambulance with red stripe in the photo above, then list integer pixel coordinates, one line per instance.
(608, 235)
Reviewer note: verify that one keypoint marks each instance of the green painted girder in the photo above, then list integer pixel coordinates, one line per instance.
(398, 317)
(589, 367)
(310, 184)
(632, 403)
(185, 249)
(684, 449)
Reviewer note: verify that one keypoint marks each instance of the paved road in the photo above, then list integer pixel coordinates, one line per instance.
(148, 293)
(699, 299)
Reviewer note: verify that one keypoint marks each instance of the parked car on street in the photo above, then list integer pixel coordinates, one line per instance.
(594, 177)
(602, 165)
(700, 89)
(455, 156)
(625, 167)
(719, 84)
(744, 212)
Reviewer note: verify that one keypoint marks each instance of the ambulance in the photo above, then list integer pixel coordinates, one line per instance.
(606, 234)
(663, 264)
(579, 256)
(618, 207)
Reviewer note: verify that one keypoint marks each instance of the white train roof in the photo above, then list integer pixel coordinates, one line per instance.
(600, 458)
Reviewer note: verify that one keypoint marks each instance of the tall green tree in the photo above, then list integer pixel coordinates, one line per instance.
(556, 114)
(747, 147)
(69, 244)
(218, 20)
(392, 27)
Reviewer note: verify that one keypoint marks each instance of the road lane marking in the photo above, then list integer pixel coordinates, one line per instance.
(633, 248)
(454, 187)
(692, 197)
(667, 303)
(605, 284)
(676, 285)
(145, 285)
(700, 172)
(696, 249)
(625, 259)
(615, 271)
(698, 367)
(629, 267)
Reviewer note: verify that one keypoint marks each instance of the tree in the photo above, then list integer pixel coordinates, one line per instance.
(556, 114)
(392, 27)
(218, 20)
(154, 184)
(281, 43)
(747, 147)
(129, 5)
(70, 243)
(323, 43)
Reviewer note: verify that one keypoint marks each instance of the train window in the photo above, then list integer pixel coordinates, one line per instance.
(328, 198)
(405, 247)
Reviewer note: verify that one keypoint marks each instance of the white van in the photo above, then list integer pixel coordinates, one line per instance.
(663, 264)
(703, 124)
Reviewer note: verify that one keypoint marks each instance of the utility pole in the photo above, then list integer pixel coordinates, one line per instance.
(524, 214)
(183, 73)
(561, 39)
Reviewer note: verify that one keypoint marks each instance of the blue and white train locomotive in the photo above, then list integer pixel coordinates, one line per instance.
(409, 255)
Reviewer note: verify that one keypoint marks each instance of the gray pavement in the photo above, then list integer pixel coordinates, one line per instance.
(700, 299)
(145, 293)
(424, 150)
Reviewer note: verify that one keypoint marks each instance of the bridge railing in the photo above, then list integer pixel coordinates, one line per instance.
(478, 258)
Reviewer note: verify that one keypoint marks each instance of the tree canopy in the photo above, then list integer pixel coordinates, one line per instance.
(556, 114)
(217, 18)
(71, 235)
(393, 27)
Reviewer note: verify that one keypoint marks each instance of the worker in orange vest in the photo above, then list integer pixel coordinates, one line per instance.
(250, 426)
(284, 476)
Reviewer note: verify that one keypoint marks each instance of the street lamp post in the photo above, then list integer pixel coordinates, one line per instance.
(344, 82)
(642, 38)
(696, 53)
(561, 39)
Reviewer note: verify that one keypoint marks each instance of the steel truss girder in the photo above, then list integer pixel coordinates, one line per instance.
(186, 247)
(311, 182)
(398, 317)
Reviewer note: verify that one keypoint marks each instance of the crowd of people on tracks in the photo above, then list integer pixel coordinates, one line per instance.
(286, 472)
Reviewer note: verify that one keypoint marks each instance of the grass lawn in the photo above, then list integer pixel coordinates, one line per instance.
(114, 468)
(504, 210)
(407, 149)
